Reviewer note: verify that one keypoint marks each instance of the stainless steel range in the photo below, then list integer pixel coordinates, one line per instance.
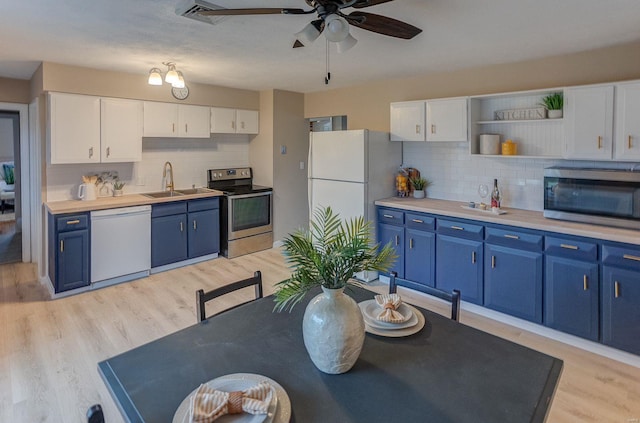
(246, 220)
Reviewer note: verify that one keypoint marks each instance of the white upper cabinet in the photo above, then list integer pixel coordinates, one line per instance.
(447, 119)
(588, 116)
(74, 128)
(232, 121)
(627, 122)
(193, 121)
(175, 120)
(121, 130)
(408, 121)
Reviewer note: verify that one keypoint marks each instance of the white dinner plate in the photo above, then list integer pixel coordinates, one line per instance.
(397, 333)
(279, 409)
(374, 309)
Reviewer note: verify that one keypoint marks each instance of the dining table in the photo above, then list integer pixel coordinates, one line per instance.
(446, 372)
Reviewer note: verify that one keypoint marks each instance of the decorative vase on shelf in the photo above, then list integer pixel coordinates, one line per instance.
(418, 193)
(554, 114)
(333, 331)
(117, 193)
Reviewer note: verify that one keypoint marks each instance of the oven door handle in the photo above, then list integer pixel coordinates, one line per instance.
(255, 194)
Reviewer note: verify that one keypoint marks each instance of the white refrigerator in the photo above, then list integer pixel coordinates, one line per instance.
(349, 170)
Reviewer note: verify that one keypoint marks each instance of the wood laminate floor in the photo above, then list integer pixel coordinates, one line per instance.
(49, 349)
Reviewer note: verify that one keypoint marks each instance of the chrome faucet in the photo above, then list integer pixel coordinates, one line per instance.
(168, 182)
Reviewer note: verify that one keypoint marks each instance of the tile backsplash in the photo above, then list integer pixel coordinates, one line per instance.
(191, 158)
(456, 174)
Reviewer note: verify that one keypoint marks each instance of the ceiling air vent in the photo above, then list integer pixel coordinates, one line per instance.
(190, 9)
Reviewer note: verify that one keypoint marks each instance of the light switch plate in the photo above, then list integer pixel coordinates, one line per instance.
(283, 149)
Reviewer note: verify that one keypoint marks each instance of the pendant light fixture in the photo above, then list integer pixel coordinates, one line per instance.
(155, 76)
(173, 76)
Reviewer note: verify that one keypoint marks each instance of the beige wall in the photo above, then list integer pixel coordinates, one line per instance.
(261, 146)
(367, 106)
(14, 90)
(79, 80)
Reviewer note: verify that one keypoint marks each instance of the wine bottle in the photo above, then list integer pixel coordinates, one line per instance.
(495, 195)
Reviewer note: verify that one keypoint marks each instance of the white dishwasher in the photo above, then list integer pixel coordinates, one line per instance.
(120, 243)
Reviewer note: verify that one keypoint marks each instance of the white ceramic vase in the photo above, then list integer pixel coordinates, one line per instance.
(554, 114)
(418, 193)
(333, 331)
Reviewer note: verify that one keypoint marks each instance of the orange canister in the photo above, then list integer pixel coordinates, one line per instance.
(509, 148)
(402, 185)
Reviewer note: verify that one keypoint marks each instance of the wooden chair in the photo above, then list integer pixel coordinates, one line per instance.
(203, 297)
(452, 297)
(94, 414)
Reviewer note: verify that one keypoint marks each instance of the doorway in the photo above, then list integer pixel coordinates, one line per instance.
(10, 188)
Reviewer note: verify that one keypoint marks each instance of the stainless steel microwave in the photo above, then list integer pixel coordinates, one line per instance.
(600, 196)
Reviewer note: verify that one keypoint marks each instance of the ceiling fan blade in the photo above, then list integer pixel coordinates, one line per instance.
(254, 11)
(366, 3)
(383, 25)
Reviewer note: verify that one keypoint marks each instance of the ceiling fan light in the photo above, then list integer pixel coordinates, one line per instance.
(308, 34)
(180, 82)
(336, 28)
(155, 77)
(346, 44)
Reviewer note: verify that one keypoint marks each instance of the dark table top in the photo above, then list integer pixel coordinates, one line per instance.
(448, 372)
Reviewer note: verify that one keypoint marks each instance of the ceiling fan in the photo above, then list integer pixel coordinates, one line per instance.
(332, 21)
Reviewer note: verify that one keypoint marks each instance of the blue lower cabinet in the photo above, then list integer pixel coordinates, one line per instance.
(513, 282)
(621, 308)
(459, 266)
(395, 235)
(204, 232)
(571, 296)
(420, 253)
(168, 239)
(69, 247)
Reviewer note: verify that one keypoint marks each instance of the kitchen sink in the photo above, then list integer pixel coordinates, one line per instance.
(163, 194)
(194, 191)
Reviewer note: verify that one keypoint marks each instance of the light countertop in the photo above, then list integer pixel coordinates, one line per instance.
(103, 203)
(514, 217)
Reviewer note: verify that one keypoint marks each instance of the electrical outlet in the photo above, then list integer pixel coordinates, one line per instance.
(301, 165)
(140, 182)
(283, 149)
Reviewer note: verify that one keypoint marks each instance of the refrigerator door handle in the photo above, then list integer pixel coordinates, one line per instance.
(309, 181)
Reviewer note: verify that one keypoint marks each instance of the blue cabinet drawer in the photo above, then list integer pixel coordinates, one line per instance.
(203, 204)
(168, 209)
(419, 221)
(514, 239)
(72, 222)
(460, 229)
(391, 216)
(571, 248)
(621, 255)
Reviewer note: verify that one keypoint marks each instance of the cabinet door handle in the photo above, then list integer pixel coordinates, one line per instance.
(186, 128)
(417, 221)
(433, 129)
(630, 257)
(173, 127)
(616, 289)
(418, 129)
(73, 222)
(233, 125)
(585, 283)
(181, 227)
(411, 243)
(242, 125)
(388, 216)
(195, 225)
(629, 143)
(108, 151)
(599, 142)
(569, 247)
(62, 246)
(397, 240)
(512, 236)
(473, 257)
(457, 228)
(493, 262)
(90, 152)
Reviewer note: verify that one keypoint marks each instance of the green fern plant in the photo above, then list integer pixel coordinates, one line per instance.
(118, 185)
(328, 255)
(553, 101)
(420, 183)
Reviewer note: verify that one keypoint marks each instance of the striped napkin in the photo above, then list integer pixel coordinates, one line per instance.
(389, 304)
(208, 404)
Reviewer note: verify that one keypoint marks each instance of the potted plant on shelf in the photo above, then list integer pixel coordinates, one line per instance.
(117, 188)
(553, 103)
(328, 255)
(419, 186)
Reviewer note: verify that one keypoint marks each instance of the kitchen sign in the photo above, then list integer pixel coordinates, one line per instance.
(521, 114)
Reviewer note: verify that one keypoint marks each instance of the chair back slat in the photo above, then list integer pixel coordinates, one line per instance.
(203, 297)
(452, 297)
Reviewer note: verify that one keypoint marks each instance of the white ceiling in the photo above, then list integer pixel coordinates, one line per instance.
(254, 52)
